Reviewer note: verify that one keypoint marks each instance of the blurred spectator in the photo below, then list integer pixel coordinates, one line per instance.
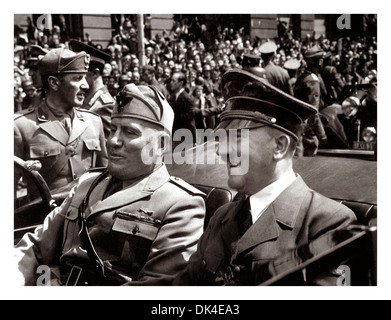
(182, 104)
(196, 49)
(149, 77)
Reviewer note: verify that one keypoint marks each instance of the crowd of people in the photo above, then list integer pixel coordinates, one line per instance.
(187, 50)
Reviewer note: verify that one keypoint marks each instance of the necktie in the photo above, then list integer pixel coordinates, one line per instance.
(67, 123)
(244, 217)
(116, 185)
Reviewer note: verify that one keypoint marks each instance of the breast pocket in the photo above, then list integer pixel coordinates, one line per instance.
(40, 150)
(136, 228)
(92, 144)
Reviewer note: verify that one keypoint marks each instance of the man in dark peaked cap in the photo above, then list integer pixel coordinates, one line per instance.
(274, 210)
(131, 224)
(35, 54)
(65, 138)
(98, 99)
(252, 63)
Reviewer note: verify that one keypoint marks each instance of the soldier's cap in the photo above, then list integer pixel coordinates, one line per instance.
(62, 60)
(268, 47)
(35, 54)
(27, 85)
(292, 64)
(96, 55)
(250, 60)
(252, 102)
(314, 52)
(144, 102)
(124, 77)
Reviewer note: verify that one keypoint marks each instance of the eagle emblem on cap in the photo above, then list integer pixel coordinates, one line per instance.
(122, 104)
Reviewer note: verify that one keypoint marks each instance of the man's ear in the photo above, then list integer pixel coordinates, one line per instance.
(54, 83)
(164, 141)
(283, 142)
(96, 73)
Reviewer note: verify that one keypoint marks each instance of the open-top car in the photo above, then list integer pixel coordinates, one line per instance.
(350, 178)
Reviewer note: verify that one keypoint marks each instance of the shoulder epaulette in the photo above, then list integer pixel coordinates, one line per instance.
(107, 98)
(88, 111)
(21, 113)
(185, 185)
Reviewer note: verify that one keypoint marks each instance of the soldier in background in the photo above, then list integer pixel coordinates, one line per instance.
(36, 53)
(308, 88)
(292, 66)
(276, 75)
(98, 99)
(66, 139)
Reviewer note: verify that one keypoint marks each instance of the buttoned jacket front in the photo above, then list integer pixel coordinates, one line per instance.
(120, 229)
(298, 216)
(39, 135)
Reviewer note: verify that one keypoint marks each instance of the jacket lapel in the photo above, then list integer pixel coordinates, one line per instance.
(229, 230)
(284, 210)
(131, 194)
(78, 126)
(50, 124)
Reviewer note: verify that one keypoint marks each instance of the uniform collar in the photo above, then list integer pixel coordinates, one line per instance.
(94, 96)
(139, 190)
(260, 200)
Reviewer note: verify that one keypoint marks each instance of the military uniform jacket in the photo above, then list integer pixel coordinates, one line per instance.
(39, 135)
(121, 229)
(102, 103)
(297, 216)
(278, 77)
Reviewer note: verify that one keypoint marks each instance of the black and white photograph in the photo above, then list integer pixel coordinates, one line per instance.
(187, 150)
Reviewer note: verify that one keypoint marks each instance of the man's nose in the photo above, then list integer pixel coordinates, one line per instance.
(84, 85)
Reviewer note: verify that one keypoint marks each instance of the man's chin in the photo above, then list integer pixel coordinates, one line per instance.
(237, 183)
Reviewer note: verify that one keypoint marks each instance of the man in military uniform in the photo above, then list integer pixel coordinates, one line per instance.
(252, 63)
(98, 99)
(276, 75)
(274, 210)
(66, 139)
(131, 224)
(309, 87)
(35, 54)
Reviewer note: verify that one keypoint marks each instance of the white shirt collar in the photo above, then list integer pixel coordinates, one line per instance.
(178, 93)
(261, 200)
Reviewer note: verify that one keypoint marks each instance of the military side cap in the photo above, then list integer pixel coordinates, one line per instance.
(35, 54)
(27, 85)
(253, 102)
(292, 64)
(146, 103)
(314, 52)
(268, 47)
(63, 60)
(96, 55)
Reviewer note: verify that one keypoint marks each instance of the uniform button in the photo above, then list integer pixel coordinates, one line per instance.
(46, 153)
(135, 229)
(74, 176)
